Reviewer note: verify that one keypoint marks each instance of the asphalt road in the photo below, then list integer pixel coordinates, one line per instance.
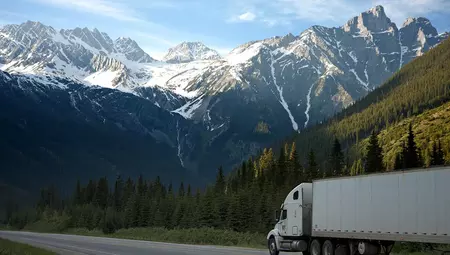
(73, 244)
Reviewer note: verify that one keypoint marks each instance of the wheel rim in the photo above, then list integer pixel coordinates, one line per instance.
(315, 248)
(273, 247)
(326, 249)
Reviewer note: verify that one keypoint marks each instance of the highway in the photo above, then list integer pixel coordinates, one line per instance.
(73, 244)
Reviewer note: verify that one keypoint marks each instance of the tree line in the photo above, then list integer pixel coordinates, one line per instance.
(243, 201)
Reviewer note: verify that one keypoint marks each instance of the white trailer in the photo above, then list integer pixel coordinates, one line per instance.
(364, 214)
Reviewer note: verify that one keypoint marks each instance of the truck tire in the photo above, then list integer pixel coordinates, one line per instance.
(328, 248)
(273, 247)
(315, 247)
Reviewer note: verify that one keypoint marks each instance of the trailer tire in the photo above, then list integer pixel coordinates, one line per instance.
(328, 248)
(273, 250)
(315, 247)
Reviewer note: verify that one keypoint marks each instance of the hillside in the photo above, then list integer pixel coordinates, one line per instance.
(419, 86)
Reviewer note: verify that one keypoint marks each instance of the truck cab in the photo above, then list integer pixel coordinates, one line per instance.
(293, 227)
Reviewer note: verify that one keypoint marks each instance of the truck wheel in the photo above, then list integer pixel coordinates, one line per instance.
(328, 248)
(315, 248)
(273, 247)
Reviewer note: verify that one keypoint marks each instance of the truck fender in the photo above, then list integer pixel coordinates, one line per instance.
(275, 233)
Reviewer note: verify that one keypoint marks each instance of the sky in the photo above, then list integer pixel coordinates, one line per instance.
(157, 25)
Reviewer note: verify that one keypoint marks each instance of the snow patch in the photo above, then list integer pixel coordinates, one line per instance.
(243, 55)
(280, 91)
(366, 86)
(308, 104)
(353, 56)
(102, 78)
(187, 110)
(179, 153)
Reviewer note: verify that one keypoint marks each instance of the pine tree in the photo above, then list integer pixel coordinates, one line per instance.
(101, 193)
(312, 171)
(295, 169)
(411, 158)
(181, 191)
(281, 168)
(90, 192)
(336, 160)
(118, 194)
(434, 155)
(374, 157)
(440, 160)
(220, 182)
(78, 197)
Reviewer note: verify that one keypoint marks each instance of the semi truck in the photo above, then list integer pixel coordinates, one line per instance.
(364, 214)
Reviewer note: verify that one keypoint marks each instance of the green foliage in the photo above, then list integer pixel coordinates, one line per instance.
(374, 156)
(13, 248)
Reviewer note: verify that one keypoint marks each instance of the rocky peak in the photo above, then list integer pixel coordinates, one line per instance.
(414, 25)
(371, 21)
(190, 51)
(131, 50)
(95, 39)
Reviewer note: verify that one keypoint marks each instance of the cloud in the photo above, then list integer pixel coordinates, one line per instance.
(248, 16)
(336, 12)
(244, 17)
(399, 10)
(109, 8)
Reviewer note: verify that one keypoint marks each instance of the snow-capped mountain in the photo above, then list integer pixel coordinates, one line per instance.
(190, 51)
(283, 83)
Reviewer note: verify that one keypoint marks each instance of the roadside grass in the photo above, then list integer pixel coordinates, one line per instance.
(12, 248)
(199, 236)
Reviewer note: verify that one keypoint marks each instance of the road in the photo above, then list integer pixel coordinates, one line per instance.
(73, 244)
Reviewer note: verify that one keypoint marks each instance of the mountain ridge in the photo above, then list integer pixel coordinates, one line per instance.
(223, 110)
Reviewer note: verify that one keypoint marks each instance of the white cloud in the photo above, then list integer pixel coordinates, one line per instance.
(248, 16)
(336, 12)
(244, 17)
(399, 10)
(108, 8)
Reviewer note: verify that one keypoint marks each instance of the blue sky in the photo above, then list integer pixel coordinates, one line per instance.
(221, 24)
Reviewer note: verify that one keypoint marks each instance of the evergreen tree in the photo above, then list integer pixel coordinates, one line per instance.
(295, 168)
(412, 158)
(101, 193)
(118, 194)
(434, 155)
(336, 160)
(220, 182)
(312, 171)
(181, 191)
(90, 191)
(440, 159)
(374, 157)
(78, 198)
(281, 168)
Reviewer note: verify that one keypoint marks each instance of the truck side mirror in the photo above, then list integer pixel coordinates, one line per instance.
(277, 215)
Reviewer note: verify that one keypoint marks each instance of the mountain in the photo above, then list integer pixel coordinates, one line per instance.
(419, 94)
(190, 51)
(210, 110)
(56, 131)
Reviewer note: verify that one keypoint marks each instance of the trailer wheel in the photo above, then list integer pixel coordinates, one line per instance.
(315, 248)
(328, 248)
(273, 247)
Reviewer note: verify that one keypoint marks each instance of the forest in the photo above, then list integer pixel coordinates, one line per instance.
(244, 201)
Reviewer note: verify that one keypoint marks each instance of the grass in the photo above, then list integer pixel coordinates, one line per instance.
(200, 236)
(12, 248)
